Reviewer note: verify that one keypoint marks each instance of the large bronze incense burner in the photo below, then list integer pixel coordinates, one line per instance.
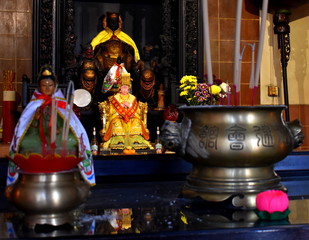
(48, 198)
(232, 150)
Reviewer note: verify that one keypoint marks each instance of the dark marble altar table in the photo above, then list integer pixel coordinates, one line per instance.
(149, 205)
(158, 212)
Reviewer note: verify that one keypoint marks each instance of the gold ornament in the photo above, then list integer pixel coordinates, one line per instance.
(46, 73)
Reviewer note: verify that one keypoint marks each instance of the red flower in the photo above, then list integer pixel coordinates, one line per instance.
(218, 81)
(272, 201)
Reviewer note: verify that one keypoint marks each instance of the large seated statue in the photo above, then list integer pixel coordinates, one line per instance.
(112, 46)
(124, 119)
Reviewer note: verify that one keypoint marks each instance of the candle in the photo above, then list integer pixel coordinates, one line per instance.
(251, 85)
(237, 57)
(239, 73)
(228, 95)
(251, 82)
(207, 41)
(261, 43)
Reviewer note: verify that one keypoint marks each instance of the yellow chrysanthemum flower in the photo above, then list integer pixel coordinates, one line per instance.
(182, 85)
(214, 89)
(183, 93)
(188, 78)
(184, 79)
(193, 80)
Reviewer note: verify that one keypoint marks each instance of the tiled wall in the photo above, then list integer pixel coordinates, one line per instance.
(15, 39)
(15, 47)
(222, 14)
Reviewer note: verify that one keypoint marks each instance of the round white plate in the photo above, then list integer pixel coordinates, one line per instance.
(82, 98)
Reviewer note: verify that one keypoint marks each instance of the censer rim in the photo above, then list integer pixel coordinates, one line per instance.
(184, 107)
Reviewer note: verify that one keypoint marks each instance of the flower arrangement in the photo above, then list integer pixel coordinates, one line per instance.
(195, 93)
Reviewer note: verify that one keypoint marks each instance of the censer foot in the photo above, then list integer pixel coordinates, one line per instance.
(238, 186)
(241, 200)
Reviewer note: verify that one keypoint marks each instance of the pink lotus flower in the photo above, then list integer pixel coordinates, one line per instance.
(272, 201)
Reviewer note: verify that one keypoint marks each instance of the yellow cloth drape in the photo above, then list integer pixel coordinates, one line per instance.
(106, 35)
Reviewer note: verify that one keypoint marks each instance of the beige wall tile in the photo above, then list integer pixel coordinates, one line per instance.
(7, 49)
(24, 47)
(8, 5)
(24, 23)
(8, 22)
(227, 8)
(24, 5)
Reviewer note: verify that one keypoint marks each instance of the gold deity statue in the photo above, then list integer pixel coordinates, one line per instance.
(124, 119)
(88, 67)
(114, 47)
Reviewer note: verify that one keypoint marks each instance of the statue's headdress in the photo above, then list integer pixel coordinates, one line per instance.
(125, 80)
(47, 72)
